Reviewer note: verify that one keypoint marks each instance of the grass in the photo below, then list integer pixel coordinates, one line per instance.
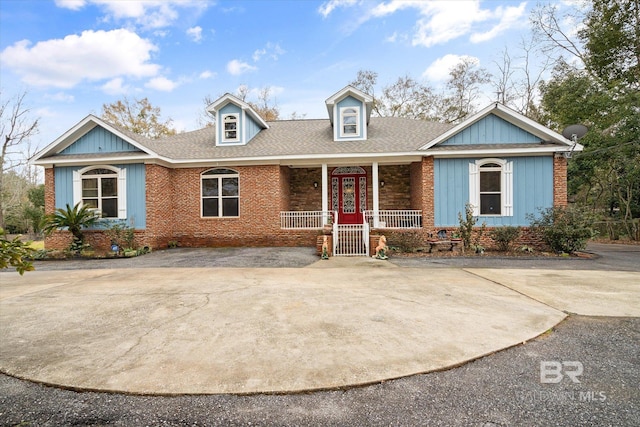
(37, 245)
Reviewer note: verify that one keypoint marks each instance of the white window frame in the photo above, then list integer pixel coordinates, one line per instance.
(121, 174)
(506, 186)
(236, 116)
(220, 197)
(343, 115)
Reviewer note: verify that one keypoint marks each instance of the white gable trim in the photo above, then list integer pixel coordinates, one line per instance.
(333, 100)
(78, 131)
(228, 98)
(510, 116)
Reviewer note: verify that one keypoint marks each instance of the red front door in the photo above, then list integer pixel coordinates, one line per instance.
(349, 197)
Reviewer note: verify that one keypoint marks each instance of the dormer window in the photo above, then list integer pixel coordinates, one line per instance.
(230, 128)
(350, 122)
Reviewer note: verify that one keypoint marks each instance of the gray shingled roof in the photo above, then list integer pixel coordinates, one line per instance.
(301, 137)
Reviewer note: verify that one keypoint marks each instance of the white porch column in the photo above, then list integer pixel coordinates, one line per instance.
(376, 193)
(325, 187)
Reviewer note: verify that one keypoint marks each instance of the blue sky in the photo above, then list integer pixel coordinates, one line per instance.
(73, 56)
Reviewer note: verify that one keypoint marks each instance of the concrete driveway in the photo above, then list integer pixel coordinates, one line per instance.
(334, 324)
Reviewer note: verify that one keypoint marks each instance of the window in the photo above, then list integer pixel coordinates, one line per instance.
(491, 187)
(350, 122)
(103, 188)
(230, 127)
(100, 191)
(220, 195)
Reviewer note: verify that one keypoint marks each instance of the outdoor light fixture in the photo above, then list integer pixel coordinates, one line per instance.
(315, 184)
(381, 183)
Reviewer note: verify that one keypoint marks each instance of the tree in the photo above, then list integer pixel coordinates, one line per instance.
(604, 95)
(16, 128)
(463, 90)
(611, 37)
(74, 219)
(15, 253)
(406, 97)
(138, 116)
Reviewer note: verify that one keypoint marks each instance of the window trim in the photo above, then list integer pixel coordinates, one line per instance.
(343, 115)
(220, 197)
(224, 138)
(121, 187)
(506, 186)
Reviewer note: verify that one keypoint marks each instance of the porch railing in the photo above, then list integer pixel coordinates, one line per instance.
(393, 218)
(305, 220)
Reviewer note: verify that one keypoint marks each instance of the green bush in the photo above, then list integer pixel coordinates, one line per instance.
(405, 241)
(564, 229)
(504, 236)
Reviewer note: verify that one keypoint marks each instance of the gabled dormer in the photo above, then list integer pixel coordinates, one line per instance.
(236, 122)
(349, 113)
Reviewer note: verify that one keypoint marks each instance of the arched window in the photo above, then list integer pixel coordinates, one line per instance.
(102, 188)
(491, 187)
(230, 128)
(349, 122)
(220, 193)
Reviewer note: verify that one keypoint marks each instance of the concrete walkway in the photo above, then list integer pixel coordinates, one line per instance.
(336, 323)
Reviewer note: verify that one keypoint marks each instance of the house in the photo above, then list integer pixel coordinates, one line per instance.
(249, 182)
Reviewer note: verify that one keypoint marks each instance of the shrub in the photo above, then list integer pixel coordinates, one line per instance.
(466, 224)
(405, 241)
(504, 236)
(564, 229)
(75, 220)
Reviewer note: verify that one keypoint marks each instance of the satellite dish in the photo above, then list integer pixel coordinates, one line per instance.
(574, 132)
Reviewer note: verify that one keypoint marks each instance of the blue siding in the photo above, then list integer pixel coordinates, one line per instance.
(532, 189)
(230, 108)
(136, 200)
(350, 101)
(252, 128)
(98, 140)
(491, 130)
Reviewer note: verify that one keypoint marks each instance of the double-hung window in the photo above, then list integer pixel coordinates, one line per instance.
(220, 193)
(230, 130)
(350, 122)
(491, 187)
(100, 191)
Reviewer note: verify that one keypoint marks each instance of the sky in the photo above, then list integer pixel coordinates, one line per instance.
(73, 56)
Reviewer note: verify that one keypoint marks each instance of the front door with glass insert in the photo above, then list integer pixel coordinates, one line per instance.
(349, 194)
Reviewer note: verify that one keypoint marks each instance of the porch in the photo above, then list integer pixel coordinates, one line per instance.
(351, 239)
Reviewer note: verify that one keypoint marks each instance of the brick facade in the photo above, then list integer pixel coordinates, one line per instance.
(173, 205)
(559, 181)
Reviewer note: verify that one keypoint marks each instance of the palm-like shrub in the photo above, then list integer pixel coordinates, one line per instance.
(74, 219)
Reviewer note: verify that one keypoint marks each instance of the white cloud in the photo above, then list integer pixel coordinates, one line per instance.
(441, 21)
(236, 67)
(115, 87)
(90, 56)
(195, 33)
(71, 4)
(439, 69)
(207, 74)
(271, 51)
(509, 17)
(162, 84)
(327, 7)
(147, 13)
(60, 97)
